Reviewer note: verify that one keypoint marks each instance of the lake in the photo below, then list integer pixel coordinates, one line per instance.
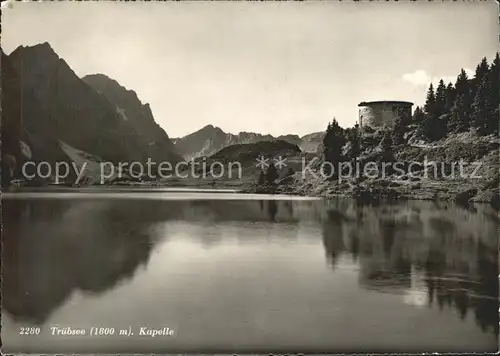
(230, 272)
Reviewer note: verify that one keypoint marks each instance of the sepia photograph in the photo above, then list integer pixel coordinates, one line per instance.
(250, 177)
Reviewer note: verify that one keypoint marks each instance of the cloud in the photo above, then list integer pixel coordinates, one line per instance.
(421, 78)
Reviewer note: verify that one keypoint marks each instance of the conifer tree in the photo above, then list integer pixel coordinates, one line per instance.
(495, 84)
(450, 97)
(262, 177)
(387, 151)
(400, 128)
(483, 110)
(430, 103)
(462, 83)
(418, 115)
(333, 142)
(272, 174)
(461, 112)
(432, 127)
(459, 121)
(482, 70)
(440, 107)
(352, 136)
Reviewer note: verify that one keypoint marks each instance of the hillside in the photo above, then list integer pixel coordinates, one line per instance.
(447, 150)
(238, 165)
(246, 153)
(312, 142)
(479, 183)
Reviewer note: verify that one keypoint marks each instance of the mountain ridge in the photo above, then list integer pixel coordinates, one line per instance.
(138, 114)
(211, 139)
(58, 106)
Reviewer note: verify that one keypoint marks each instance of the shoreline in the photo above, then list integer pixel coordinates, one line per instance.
(370, 195)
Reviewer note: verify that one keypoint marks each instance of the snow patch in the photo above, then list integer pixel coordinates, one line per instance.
(91, 164)
(25, 150)
(121, 112)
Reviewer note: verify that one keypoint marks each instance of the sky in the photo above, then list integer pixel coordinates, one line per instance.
(267, 67)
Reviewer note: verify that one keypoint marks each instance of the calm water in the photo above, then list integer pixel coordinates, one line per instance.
(234, 273)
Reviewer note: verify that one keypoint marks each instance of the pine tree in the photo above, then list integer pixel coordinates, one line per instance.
(262, 178)
(327, 138)
(482, 70)
(483, 109)
(333, 142)
(272, 174)
(387, 151)
(495, 86)
(432, 127)
(459, 121)
(460, 116)
(462, 83)
(440, 107)
(450, 97)
(352, 136)
(418, 115)
(400, 128)
(430, 103)
(356, 147)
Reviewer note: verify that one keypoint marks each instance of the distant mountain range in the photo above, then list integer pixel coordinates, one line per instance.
(46, 104)
(211, 139)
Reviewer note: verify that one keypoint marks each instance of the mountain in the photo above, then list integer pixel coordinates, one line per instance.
(56, 106)
(248, 153)
(138, 115)
(312, 142)
(11, 128)
(211, 139)
(293, 139)
(239, 165)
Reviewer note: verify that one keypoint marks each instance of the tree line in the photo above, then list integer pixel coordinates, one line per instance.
(471, 104)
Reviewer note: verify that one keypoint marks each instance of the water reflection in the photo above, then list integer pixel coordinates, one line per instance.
(272, 209)
(53, 247)
(433, 256)
(96, 246)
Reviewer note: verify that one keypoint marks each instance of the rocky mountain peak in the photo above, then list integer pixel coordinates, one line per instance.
(211, 139)
(108, 86)
(95, 115)
(41, 51)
